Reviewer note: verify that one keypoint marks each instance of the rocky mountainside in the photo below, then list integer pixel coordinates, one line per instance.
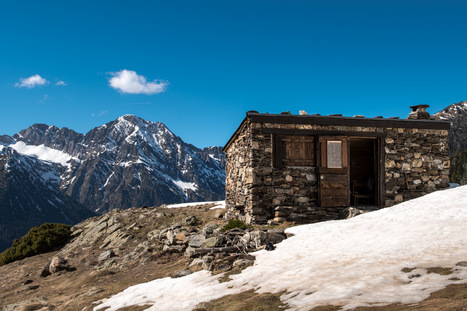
(457, 115)
(131, 162)
(108, 253)
(48, 174)
(30, 196)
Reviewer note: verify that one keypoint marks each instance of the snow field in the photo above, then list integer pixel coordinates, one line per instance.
(351, 263)
(219, 204)
(42, 152)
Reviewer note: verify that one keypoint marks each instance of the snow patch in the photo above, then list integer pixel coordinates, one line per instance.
(186, 185)
(42, 152)
(350, 263)
(219, 204)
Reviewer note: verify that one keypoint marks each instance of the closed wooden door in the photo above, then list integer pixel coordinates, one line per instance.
(334, 171)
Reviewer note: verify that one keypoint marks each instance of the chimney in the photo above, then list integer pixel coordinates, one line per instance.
(419, 113)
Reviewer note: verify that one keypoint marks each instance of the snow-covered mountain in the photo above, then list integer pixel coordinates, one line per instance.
(30, 195)
(457, 115)
(127, 162)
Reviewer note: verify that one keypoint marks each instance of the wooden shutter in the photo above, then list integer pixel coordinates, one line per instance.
(294, 150)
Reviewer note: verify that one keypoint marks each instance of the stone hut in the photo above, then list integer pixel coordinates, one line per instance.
(307, 168)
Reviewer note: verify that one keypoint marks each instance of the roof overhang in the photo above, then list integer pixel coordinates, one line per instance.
(255, 117)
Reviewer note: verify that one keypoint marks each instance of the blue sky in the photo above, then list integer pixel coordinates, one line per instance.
(198, 66)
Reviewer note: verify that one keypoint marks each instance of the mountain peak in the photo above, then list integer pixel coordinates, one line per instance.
(452, 111)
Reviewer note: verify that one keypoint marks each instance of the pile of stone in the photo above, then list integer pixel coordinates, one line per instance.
(212, 249)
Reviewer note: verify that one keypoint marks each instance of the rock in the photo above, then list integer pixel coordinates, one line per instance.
(196, 265)
(176, 226)
(106, 264)
(116, 239)
(219, 213)
(258, 237)
(160, 214)
(242, 263)
(93, 291)
(45, 271)
(190, 220)
(27, 282)
(192, 252)
(181, 238)
(270, 247)
(208, 259)
(30, 287)
(59, 264)
(106, 255)
(173, 249)
(215, 241)
(272, 222)
(154, 234)
(196, 240)
(275, 238)
(350, 212)
(28, 305)
(143, 247)
(170, 237)
(209, 228)
(182, 273)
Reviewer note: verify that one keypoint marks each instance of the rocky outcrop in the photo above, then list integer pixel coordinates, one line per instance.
(457, 115)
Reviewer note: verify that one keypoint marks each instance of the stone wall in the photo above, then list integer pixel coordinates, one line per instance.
(416, 163)
(256, 191)
(239, 174)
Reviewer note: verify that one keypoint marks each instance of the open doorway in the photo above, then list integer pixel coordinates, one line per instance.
(363, 171)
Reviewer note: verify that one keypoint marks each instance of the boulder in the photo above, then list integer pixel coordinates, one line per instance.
(215, 241)
(182, 273)
(196, 240)
(170, 237)
(219, 213)
(209, 228)
(190, 220)
(243, 263)
(106, 255)
(59, 264)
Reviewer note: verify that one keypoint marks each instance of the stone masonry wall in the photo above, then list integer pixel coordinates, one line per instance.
(416, 163)
(257, 192)
(239, 174)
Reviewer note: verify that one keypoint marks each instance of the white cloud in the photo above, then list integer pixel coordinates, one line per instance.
(61, 83)
(128, 81)
(31, 82)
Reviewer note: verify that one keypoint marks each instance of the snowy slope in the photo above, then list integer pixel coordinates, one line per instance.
(30, 196)
(354, 262)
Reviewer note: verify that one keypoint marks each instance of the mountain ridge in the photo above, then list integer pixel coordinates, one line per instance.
(127, 162)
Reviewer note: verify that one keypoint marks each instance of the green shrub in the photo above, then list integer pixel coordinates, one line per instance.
(234, 223)
(38, 240)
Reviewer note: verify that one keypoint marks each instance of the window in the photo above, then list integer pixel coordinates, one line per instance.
(334, 148)
(295, 150)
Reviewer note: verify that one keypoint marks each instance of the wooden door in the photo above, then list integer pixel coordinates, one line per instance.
(334, 171)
